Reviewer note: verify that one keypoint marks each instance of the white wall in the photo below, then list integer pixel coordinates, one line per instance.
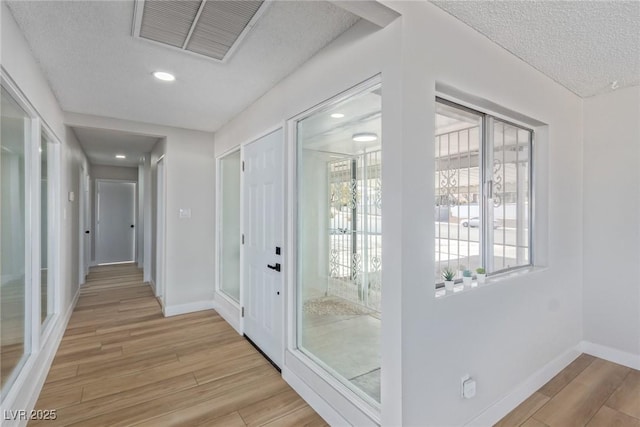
(499, 334)
(190, 171)
(611, 220)
(19, 66)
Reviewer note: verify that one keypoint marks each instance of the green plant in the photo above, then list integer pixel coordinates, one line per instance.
(480, 270)
(448, 274)
(467, 273)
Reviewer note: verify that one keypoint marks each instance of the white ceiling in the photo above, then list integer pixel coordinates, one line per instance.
(102, 145)
(95, 66)
(583, 45)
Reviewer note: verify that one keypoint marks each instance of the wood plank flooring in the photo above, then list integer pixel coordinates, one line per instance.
(589, 392)
(121, 363)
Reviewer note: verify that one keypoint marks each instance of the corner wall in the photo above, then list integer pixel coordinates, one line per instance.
(499, 334)
(612, 222)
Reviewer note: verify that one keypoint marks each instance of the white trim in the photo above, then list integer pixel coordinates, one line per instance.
(25, 391)
(190, 307)
(228, 311)
(525, 389)
(328, 413)
(611, 354)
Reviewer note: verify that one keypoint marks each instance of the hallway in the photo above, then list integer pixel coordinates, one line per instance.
(122, 363)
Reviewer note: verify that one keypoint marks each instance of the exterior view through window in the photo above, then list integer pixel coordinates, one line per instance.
(339, 161)
(482, 192)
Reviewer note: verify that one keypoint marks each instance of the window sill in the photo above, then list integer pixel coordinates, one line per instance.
(460, 288)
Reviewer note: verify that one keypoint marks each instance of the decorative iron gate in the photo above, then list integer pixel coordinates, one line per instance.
(355, 229)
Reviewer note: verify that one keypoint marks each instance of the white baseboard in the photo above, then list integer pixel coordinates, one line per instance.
(229, 312)
(330, 415)
(191, 307)
(26, 390)
(611, 354)
(497, 411)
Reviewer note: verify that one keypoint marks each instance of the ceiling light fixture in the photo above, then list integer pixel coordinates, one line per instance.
(120, 156)
(337, 115)
(165, 77)
(364, 137)
(615, 85)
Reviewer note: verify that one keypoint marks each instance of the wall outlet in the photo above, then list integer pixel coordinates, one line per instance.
(468, 387)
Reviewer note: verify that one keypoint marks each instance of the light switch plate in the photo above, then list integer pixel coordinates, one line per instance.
(72, 196)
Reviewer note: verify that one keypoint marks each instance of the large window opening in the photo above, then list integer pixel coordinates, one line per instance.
(482, 192)
(339, 247)
(14, 293)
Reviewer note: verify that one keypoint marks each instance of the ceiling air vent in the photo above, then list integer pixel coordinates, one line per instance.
(212, 28)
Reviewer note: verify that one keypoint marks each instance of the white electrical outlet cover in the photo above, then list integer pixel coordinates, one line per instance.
(469, 388)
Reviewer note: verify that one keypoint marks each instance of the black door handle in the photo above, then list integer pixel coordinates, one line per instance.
(274, 267)
(131, 225)
(87, 232)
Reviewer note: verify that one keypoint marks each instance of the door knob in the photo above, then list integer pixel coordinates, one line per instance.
(274, 267)
(131, 225)
(87, 232)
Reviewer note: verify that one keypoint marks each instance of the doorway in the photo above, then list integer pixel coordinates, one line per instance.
(262, 290)
(115, 221)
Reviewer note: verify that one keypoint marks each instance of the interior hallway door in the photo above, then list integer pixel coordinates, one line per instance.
(116, 215)
(262, 228)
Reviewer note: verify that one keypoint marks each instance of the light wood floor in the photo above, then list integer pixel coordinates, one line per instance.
(122, 363)
(589, 392)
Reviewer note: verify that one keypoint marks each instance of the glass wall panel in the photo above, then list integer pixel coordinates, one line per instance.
(46, 276)
(458, 203)
(15, 133)
(339, 251)
(230, 226)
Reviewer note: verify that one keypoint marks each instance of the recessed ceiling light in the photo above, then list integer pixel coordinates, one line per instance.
(615, 85)
(120, 156)
(364, 137)
(165, 77)
(337, 115)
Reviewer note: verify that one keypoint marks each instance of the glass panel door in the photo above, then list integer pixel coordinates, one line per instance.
(229, 260)
(339, 248)
(15, 133)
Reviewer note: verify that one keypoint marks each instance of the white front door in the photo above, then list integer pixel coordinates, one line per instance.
(262, 229)
(116, 210)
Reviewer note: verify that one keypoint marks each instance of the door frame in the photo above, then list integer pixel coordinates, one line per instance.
(97, 181)
(160, 282)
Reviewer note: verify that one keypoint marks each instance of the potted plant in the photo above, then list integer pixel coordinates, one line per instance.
(481, 274)
(466, 277)
(448, 274)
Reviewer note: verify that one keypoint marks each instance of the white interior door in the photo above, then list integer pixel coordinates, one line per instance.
(116, 209)
(262, 228)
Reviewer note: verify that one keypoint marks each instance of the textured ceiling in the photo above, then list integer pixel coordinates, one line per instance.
(583, 45)
(102, 145)
(95, 66)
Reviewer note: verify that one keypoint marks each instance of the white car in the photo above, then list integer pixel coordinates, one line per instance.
(475, 222)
